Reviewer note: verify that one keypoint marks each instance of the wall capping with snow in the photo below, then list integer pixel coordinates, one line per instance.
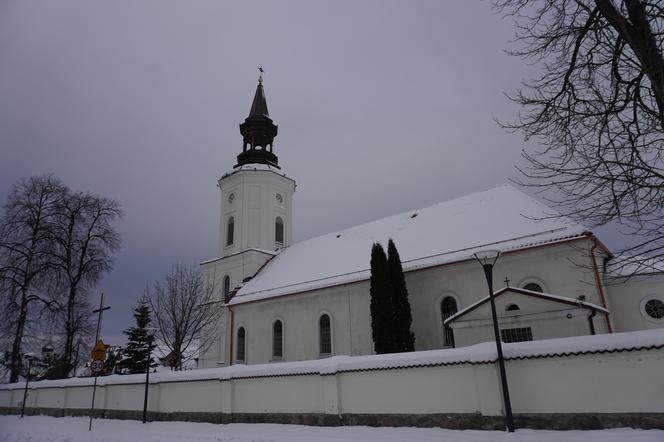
(557, 383)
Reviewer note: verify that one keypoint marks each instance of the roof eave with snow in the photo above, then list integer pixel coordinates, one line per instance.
(545, 296)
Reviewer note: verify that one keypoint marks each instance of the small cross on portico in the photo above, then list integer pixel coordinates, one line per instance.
(507, 281)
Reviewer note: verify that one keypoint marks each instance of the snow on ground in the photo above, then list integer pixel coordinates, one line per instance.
(69, 429)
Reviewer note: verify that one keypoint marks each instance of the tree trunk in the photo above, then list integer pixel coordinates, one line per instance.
(15, 361)
(70, 327)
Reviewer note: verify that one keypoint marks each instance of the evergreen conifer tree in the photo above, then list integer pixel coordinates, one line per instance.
(381, 301)
(137, 350)
(403, 338)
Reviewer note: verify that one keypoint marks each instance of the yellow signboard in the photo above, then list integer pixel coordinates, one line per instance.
(99, 351)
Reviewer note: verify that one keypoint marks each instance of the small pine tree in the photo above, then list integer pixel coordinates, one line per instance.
(138, 339)
(404, 339)
(381, 302)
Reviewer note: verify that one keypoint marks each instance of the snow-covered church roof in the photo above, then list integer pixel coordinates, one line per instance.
(501, 218)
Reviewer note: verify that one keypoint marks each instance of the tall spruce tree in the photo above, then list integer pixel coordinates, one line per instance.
(403, 338)
(138, 340)
(381, 301)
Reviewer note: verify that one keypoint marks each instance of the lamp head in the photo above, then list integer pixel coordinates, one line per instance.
(487, 257)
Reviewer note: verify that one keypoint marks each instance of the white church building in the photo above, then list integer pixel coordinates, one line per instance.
(291, 302)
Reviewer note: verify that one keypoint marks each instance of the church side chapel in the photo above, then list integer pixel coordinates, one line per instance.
(292, 302)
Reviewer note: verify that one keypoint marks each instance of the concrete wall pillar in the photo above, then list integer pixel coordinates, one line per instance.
(227, 396)
(330, 384)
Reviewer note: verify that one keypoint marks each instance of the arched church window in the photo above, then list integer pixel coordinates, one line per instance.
(512, 308)
(277, 340)
(448, 307)
(227, 285)
(230, 231)
(534, 287)
(324, 335)
(279, 230)
(241, 345)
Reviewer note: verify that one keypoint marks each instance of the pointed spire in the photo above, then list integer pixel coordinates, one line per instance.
(259, 106)
(258, 131)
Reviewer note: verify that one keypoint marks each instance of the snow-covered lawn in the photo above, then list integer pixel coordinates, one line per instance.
(50, 429)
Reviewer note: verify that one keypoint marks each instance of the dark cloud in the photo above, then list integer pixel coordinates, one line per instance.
(382, 106)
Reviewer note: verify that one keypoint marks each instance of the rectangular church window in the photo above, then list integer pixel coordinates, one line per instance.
(279, 231)
(516, 334)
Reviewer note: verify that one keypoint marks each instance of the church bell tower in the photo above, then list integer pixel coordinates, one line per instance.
(256, 217)
(256, 196)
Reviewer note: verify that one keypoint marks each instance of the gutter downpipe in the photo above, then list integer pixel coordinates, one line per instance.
(598, 281)
(590, 321)
(230, 309)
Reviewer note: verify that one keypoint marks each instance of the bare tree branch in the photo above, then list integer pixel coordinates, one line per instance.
(597, 111)
(185, 312)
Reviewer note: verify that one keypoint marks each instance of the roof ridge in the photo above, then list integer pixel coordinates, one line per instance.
(421, 237)
(405, 263)
(410, 212)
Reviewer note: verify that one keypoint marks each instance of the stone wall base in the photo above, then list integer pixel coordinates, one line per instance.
(460, 421)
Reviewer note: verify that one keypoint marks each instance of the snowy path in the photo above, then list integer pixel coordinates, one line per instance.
(49, 429)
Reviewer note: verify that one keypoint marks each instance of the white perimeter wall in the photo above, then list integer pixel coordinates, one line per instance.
(621, 382)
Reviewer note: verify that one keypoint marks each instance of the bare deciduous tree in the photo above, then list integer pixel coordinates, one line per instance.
(84, 240)
(597, 110)
(25, 244)
(185, 312)
(55, 244)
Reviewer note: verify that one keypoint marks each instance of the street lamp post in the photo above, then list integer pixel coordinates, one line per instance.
(29, 357)
(487, 259)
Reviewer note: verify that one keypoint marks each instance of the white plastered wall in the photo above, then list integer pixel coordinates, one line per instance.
(546, 319)
(563, 269)
(628, 296)
(254, 209)
(237, 267)
(573, 384)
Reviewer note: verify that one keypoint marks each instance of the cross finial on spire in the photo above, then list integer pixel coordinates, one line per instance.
(260, 76)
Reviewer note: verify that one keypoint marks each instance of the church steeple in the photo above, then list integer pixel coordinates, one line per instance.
(259, 106)
(258, 132)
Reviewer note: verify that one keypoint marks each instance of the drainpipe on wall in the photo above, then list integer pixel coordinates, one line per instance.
(598, 280)
(230, 309)
(591, 323)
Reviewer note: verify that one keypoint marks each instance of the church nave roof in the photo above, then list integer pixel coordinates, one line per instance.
(501, 218)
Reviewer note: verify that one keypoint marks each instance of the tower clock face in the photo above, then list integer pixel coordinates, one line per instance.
(231, 198)
(280, 198)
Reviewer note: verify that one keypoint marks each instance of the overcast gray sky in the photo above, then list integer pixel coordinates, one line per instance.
(382, 106)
